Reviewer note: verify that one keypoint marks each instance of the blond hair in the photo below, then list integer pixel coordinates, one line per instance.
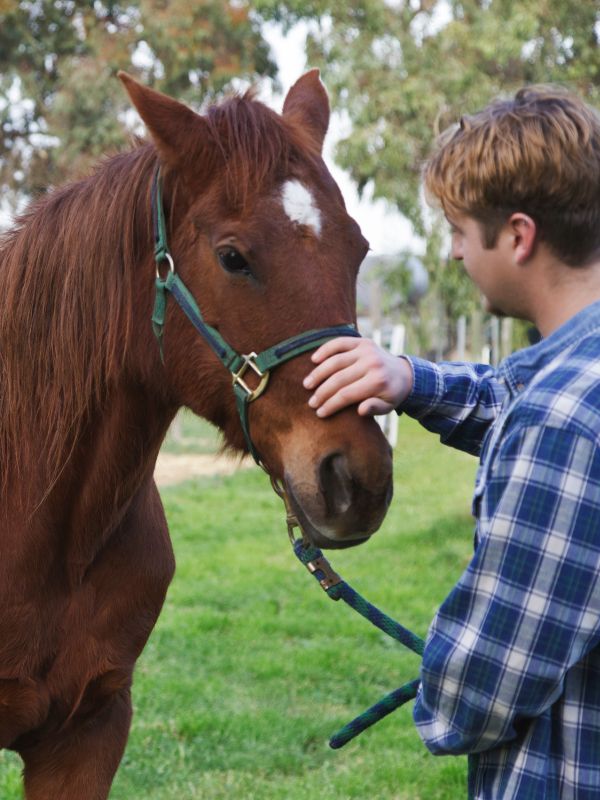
(538, 153)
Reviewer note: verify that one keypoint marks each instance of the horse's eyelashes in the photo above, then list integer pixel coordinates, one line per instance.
(233, 261)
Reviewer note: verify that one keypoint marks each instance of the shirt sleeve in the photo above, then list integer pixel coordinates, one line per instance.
(457, 400)
(527, 608)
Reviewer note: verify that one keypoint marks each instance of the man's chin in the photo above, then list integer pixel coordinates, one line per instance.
(514, 313)
(493, 310)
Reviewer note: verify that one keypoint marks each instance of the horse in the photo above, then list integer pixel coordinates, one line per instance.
(236, 207)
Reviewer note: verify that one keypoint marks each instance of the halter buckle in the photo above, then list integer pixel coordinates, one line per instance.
(238, 377)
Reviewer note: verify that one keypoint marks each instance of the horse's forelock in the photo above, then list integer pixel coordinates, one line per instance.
(255, 146)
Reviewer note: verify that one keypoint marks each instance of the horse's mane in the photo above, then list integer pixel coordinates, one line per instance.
(66, 287)
(67, 279)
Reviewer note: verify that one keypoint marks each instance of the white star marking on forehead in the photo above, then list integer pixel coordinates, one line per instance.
(299, 205)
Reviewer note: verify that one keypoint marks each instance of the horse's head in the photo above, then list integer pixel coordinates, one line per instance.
(260, 236)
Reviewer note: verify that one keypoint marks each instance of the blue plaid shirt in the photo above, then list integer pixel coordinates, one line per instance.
(511, 669)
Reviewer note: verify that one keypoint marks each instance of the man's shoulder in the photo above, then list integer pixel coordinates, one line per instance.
(567, 392)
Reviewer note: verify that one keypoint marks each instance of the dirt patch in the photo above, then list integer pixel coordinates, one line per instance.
(172, 469)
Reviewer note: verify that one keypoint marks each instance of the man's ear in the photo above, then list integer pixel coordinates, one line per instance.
(524, 232)
(307, 101)
(178, 132)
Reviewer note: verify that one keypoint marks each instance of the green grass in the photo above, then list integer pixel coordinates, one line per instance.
(251, 667)
(190, 434)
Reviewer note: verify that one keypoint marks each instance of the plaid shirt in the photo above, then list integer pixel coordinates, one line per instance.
(511, 669)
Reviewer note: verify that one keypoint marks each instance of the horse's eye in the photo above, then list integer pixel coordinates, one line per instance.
(233, 261)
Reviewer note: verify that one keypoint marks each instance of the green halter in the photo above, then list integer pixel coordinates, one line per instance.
(262, 363)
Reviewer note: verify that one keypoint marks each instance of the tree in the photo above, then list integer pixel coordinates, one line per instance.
(61, 106)
(403, 70)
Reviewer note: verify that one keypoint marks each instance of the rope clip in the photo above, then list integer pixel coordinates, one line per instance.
(330, 577)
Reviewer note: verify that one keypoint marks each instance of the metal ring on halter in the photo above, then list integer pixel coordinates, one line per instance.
(238, 377)
(171, 265)
(291, 519)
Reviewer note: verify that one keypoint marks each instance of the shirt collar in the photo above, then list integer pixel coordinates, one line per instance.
(518, 368)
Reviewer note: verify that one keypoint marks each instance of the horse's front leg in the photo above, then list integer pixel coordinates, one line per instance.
(80, 762)
(75, 753)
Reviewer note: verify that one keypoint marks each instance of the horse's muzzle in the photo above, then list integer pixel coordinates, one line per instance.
(345, 502)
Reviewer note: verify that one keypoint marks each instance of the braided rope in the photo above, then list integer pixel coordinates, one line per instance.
(338, 589)
(385, 706)
(377, 617)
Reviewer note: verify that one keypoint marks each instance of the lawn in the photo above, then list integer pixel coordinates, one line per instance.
(251, 667)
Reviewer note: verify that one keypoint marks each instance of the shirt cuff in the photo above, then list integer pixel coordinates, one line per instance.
(427, 388)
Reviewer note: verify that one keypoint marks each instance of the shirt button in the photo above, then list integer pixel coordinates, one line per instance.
(520, 387)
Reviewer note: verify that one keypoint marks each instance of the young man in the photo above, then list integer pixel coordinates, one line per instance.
(511, 669)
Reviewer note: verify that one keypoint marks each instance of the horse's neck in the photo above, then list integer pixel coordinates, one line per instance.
(116, 457)
(111, 463)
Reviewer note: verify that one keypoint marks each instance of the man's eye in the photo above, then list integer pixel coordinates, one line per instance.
(233, 261)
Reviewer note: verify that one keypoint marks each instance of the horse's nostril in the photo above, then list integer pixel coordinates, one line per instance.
(336, 483)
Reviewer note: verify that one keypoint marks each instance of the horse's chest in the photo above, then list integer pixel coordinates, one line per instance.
(65, 650)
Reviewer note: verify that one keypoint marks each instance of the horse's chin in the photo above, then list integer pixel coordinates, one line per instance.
(319, 536)
(322, 542)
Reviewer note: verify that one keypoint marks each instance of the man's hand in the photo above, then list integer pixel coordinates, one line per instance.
(356, 371)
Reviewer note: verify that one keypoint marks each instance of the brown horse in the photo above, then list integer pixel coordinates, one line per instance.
(259, 235)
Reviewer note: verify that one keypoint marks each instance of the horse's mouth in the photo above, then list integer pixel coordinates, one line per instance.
(318, 537)
(324, 543)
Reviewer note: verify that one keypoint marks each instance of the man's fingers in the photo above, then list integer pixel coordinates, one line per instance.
(338, 380)
(327, 368)
(348, 394)
(340, 345)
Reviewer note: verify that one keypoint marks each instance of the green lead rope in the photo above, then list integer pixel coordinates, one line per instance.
(338, 589)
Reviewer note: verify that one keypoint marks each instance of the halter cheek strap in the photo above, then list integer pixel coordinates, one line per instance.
(238, 364)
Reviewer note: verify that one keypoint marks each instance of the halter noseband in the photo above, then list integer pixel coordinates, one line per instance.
(237, 364)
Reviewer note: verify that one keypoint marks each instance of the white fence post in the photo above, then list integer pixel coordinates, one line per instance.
(389, 422)
(495, 337)
(506, 334)
(461, 337)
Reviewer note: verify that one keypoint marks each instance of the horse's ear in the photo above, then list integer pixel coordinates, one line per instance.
(175, 129)
(307, 100)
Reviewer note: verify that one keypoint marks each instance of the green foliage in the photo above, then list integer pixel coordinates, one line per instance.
(251, 667)
(404, 70)
(61, 57)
